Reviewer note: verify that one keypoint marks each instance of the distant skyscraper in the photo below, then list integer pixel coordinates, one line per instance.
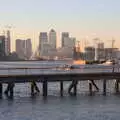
(28, 48)
(64, 35)
(43, 39)
(8, 43)
(20, 48)
(2, 46)
(24, 48)
(52, 38)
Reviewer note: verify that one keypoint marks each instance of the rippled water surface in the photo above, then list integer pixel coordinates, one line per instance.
(56, 108)
(82, 107)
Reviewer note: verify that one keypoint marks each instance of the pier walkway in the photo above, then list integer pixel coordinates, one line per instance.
(13, 75)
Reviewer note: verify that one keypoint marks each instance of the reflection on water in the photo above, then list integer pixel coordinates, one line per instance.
(82, 107)
(67, 108)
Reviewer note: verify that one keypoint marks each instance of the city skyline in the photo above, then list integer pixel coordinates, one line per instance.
(82, 19)
(85, 40)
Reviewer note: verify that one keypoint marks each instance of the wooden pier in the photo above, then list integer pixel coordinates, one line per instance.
(61, 78)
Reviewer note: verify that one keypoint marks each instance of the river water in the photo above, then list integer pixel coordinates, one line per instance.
(82, 107)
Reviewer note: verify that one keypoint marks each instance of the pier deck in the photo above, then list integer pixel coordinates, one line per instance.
(21, 78)
(60, 76)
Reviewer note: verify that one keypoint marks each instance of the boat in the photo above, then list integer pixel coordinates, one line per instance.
(108, 62)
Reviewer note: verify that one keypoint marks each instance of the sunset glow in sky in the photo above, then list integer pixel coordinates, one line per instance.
(82, 18)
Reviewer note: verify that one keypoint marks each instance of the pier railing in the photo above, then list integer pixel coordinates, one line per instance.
(51, 70)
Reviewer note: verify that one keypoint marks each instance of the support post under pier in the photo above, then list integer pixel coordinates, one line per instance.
(104, 87)
(45, 85)
(1, 90)
(75, 88)
(12, 90)
(90, 88)
(61, 88)
(117, 86)
(32, 89)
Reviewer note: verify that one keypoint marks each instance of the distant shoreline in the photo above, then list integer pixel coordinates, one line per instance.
(31, 60)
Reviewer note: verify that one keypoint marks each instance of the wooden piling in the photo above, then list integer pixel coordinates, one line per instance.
(90, 88)
(32, 89)
(75, 88)
(1, 90)
(104, 87)
(11, 90)
(117, 86)
(61, 88)
(45, 85)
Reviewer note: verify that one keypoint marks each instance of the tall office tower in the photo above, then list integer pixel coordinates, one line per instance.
(8, 43)
(28, 48)
(64, 35)
(52, 38)
(20, 48)
(43, 40)
(2, 46)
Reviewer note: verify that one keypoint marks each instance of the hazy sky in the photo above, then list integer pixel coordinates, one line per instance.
(82, 18)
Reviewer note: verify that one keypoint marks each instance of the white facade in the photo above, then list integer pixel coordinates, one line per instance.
(52, 38)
